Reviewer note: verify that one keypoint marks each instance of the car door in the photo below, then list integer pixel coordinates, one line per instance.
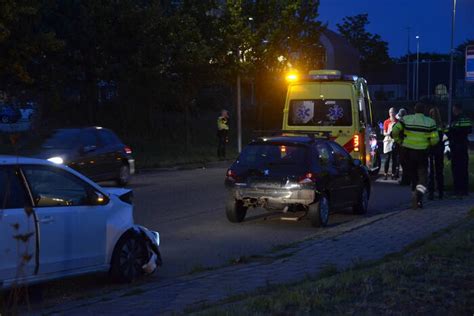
(111, 152)
(89, 164)
(17, 229)
(343, 163)
(334, 179)
(73, 231)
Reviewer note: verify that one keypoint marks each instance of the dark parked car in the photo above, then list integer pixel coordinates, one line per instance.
(298, 173)
(9, 114)
(93, 151)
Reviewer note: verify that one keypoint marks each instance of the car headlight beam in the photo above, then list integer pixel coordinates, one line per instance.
(56, 160)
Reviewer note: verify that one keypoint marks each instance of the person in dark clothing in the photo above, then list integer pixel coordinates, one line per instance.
(458, 132)
(404, 179)
(222, 133)
(436, 159)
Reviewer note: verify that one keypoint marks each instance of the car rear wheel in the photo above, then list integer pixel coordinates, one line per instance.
(124, 175)
(130, 255)
(318, 212)
(5, 119)
(235, 211)
(362, 203)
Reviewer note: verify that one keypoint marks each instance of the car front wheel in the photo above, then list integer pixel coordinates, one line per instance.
(318, 212)
(130, 255)
(5, 119)
(235, 211)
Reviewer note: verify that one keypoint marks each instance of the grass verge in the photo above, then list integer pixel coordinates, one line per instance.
(434, 278)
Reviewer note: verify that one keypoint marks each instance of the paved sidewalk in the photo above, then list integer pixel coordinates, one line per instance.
(370, 238)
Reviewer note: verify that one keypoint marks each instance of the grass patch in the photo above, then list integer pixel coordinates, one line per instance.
(435, 277)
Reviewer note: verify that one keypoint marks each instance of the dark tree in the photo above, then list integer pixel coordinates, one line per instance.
(373, 50)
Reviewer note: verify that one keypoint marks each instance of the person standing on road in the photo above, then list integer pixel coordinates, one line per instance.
(458, 132)
(389, 146)
(416, 133)
(405, 179)
(436, 159)
(222, 133)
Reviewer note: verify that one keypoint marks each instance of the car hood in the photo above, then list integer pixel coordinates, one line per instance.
(117, 191)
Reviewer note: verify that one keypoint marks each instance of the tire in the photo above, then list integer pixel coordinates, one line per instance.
(5, 119)
(124, 175)
(235, 211)
(363, 202)
(130, 254)
(318, 213)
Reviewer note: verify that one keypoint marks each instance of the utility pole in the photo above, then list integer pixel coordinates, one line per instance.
(417, 66)
(429, 78)
(450, 93)
(408, 65)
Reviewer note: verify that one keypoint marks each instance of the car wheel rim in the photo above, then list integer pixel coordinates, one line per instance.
(324, 209)
(124, 174)
(132, 258)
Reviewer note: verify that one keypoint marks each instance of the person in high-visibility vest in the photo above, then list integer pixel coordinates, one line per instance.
(458, 132)
(436, 159)
(222, 133)
(416, 133)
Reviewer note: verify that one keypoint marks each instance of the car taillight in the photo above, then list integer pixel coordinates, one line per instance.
(127, 150)
(307, 178)
(232, 175)
(356, 142)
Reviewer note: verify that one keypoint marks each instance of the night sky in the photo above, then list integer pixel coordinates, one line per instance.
(431, 19)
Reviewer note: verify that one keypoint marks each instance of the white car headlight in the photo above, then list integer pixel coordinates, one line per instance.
(56, 160)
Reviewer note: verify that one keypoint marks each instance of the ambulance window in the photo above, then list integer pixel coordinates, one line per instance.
(328, 112)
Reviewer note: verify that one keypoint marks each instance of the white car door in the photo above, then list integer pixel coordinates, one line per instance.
(17, 230)
(73, 231)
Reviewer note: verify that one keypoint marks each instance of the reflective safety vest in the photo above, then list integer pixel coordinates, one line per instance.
(416, 131)
(222, 123)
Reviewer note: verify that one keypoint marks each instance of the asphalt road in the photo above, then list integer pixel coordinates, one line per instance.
(187, 208)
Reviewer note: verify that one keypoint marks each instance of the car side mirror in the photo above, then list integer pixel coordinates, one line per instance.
(357, 162)
(97, 198)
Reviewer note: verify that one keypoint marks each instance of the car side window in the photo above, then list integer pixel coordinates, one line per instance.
(323, 152)
(108, 138)
(12, 194)
(56, 187)
(88, 138)
(341, 156)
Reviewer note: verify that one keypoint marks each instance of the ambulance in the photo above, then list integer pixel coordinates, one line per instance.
(328, 104)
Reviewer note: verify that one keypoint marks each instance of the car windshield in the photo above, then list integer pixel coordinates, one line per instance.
(273, 155)
(327, 112)
(62, 139)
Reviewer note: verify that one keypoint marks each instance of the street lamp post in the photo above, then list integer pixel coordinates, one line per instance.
(408, 65)
(417, 65)
(450, 93)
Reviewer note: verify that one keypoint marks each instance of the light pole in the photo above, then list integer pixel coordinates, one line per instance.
(408, 65)
(450, 93)
(417, 64)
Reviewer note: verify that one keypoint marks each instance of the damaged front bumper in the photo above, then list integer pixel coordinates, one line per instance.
(152, 240)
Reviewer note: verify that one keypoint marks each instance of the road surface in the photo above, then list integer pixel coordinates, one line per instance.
(187, 208)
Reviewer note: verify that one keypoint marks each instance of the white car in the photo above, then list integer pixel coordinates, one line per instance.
(55, 223)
